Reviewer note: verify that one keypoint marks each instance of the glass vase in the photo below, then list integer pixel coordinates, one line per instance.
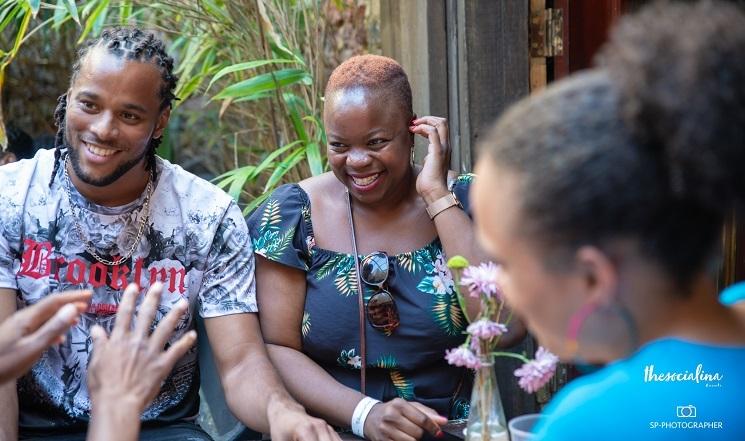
(486, 421)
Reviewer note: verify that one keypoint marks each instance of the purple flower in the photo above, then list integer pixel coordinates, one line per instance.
(462, 356)
(486, 329)
(536, 373)
(482, 279)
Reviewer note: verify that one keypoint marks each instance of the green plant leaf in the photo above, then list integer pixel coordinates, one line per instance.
(208, 64)
(93, 20)
(264, 82)
(283, 168)
(184, 90)
(313, 155)
(34, 5)
(125, 11)
(61, 14)
(9, 13)
(101, 20)
(281, 50)
(235, 179)
(292, 102)
(269, 160)
(8, 57)
(72, 9)
(255, 203)
(193, 52)
(244, 66)
(215, 9)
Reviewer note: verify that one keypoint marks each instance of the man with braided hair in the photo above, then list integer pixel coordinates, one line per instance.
(102, 211)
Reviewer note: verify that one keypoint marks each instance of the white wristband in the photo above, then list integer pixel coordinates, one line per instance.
(360, 415)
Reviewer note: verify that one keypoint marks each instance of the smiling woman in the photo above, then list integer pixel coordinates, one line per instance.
(381, 335)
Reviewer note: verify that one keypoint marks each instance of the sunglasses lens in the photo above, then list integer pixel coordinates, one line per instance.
(382, 312)
(374, 268)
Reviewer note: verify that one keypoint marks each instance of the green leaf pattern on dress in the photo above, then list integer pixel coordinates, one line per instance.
(341, 266)
(404, 387)
(439, 282)
(349, 359)
(271, 242)
(464, 179)
(305, 328)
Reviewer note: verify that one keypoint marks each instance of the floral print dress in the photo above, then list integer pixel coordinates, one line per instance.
(407, 362)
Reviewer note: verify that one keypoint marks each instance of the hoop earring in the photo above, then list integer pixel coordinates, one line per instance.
(574, 327)
(412, 156)
(578, 319)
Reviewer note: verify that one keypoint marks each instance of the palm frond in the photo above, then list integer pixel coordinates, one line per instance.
(403, 386)
(447, 314)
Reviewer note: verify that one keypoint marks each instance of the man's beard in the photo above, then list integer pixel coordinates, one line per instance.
(106, 180)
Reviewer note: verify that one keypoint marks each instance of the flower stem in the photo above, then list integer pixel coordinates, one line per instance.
(461, 301)
(511, 355)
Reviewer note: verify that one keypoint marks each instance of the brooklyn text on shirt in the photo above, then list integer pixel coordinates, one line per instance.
(698, 375)
(38, 261)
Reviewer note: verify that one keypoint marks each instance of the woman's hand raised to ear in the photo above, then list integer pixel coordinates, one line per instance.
(30, 331)
(431, 184)
(127, 368)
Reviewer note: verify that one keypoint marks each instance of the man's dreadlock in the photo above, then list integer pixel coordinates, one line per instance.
(130, 44)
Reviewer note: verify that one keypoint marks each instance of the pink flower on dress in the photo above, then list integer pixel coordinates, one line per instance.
(537, 372)
(441, 266)
(486, 329)
(482, 279)
(462, 356)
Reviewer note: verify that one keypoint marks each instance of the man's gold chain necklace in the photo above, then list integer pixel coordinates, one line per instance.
(79, 229)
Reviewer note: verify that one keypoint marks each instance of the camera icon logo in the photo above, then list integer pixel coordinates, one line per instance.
(688, 411)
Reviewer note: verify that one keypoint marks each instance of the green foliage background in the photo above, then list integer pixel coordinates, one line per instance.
(251, 76)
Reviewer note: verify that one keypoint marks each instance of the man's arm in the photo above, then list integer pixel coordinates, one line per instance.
(8, 392)
(252, 387)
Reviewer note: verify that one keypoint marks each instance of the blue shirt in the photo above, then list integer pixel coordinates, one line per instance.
(669, 390)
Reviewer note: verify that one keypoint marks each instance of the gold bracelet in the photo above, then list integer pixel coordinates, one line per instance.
(442, 204)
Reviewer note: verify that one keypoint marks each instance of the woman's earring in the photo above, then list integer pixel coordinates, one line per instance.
(412, 155)
(575, 326)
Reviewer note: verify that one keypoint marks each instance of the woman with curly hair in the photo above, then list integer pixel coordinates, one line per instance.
(604, 198)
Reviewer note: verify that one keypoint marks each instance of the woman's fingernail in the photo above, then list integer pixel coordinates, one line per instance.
(439, 434)
(68, 313)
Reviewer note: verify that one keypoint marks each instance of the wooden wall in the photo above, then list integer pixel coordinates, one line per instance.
(467, 61)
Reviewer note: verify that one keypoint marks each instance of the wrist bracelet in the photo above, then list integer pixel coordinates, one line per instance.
(441, 205)
(360, 415)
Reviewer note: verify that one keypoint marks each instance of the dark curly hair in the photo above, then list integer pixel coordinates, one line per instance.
(130, 44)
(651, 146)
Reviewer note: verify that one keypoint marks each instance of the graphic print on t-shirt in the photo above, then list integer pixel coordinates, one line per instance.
(195, 242)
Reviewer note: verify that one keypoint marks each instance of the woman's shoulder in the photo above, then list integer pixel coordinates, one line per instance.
(324, 192)
(317, 186)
